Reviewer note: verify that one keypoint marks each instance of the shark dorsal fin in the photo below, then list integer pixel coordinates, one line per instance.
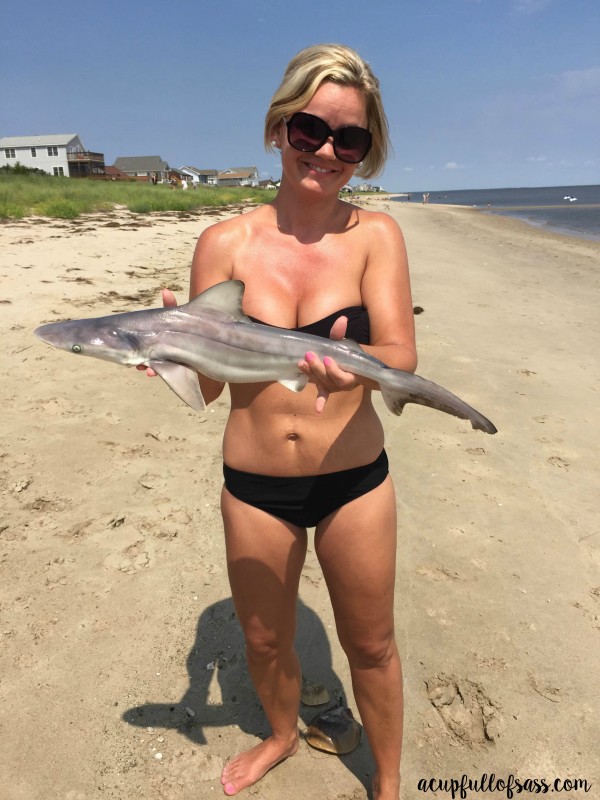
(226, 296)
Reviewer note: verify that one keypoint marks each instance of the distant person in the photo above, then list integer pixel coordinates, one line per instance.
(184, 183)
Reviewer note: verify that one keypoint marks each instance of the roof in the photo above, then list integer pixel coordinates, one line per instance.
(141, 164)
(51, 139)
(201, 171)
(238, 172)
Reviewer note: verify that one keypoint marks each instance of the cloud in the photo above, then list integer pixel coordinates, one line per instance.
(453, 165)
(408, 169)
(534, 159)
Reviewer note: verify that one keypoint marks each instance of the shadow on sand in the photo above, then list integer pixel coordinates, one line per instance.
(218, 654)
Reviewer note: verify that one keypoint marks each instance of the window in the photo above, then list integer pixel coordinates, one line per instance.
(9, 152)
(33, 152)
(58, 170)
(53, 151)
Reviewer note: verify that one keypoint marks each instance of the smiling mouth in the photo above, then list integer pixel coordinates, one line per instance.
(321, 170)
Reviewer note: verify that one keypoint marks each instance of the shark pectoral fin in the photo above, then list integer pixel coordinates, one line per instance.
(393, 400)
(295, 384)
(183, 381)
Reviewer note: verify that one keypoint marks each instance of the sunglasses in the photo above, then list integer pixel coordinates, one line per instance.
(308, 134)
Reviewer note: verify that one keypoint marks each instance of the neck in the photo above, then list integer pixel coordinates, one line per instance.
(307, 217)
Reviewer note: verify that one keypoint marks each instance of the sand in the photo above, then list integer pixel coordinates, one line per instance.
(122, 670)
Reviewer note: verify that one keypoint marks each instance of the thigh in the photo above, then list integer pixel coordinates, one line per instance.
(265, 556)
(356, 547)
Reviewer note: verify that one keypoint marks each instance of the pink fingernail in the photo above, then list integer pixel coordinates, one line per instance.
(327, 361)
(309, 357)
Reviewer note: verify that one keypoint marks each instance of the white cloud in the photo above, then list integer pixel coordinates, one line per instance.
(453, 165)
(408, 169)
(534, 159)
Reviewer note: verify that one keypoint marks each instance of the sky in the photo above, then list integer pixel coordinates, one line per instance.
(478, 93)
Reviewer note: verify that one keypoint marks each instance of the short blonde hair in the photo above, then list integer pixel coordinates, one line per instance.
(338, 64)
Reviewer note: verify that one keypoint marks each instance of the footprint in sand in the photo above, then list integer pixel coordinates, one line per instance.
(469, 715)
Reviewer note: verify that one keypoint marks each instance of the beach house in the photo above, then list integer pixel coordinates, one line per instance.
(238, 176)
(202, 177)
(56, 154)
(144, 167)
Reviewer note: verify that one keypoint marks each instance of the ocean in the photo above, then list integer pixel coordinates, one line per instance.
(546, 207)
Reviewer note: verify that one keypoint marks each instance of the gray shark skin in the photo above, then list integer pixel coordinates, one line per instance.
(211, 335)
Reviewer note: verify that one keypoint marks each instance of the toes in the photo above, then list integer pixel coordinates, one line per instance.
(229, 789)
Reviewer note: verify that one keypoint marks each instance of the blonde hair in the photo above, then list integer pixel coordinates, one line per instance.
(338, 64)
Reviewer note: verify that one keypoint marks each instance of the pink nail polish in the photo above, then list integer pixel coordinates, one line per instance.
(327, 361)
(310, 357)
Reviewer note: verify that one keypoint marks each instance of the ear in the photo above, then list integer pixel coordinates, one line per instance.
(276, 134)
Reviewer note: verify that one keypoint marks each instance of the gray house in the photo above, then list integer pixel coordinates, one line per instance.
(143, 167)
(238, 176)
(56, 154)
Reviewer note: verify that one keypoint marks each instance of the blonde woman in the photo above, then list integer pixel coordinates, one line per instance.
(313, 262)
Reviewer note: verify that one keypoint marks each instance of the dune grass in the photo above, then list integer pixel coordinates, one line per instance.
(66, 198)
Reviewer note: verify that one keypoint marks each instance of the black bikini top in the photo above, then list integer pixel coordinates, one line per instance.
(358, 324)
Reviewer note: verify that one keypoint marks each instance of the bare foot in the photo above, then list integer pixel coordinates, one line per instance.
(250, 766)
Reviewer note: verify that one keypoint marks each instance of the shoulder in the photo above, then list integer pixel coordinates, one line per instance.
(218, 245)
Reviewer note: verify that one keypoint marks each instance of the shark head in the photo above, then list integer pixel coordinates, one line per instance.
(98, 338)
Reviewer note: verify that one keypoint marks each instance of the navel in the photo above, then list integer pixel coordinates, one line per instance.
(292, 436)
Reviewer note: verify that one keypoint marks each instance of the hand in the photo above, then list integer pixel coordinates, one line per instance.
(326, 374)
(169, 301)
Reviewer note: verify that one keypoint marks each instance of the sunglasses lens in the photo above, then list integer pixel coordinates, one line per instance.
(306, 132)
(352, 144)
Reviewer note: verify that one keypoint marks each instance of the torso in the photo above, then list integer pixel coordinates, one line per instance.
(289, 283)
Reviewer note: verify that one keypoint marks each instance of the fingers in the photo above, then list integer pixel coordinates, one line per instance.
(339, 328)
(168, 298)
(327, 376)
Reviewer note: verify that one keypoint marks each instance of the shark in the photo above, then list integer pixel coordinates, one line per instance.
(212, 335)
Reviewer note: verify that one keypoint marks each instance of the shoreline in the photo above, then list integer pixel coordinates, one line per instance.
(508, 211)
(115, 614)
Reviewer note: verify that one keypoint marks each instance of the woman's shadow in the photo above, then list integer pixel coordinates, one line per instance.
(220, 692)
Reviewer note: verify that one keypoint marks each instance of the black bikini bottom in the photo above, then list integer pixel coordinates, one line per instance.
(307, 499)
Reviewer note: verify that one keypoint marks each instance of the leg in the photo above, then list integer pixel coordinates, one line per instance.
(264, 559)
(356, 546)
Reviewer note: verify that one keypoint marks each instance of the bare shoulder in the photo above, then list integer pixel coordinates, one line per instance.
(380, 223)
(216, 249)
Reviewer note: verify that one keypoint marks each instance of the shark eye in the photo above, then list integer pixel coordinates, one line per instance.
(76, 348)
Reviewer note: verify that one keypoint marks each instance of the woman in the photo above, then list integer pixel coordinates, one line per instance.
(311, 261)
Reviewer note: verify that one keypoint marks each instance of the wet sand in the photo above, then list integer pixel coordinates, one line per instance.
(122, 665)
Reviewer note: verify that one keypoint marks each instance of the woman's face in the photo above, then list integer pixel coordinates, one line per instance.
(338, 106)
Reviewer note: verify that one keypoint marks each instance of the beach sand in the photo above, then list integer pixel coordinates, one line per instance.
(122, 670)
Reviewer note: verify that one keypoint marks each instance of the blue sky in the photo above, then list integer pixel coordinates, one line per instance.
(479, 93)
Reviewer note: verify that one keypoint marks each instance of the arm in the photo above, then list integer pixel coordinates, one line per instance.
(212, 263)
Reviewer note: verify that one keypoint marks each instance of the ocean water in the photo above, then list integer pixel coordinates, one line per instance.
(544, 206)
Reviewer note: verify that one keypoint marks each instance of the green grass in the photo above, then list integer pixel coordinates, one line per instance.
(66, 198)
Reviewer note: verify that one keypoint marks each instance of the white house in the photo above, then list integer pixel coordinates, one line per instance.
(56, 154)
(206, 177)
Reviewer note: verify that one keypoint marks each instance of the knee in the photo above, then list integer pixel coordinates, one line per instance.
(371, 652)
(263, 646)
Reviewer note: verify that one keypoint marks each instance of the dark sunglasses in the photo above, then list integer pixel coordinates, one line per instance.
(308, 134)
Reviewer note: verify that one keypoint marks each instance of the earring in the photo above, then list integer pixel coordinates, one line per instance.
(274, 143)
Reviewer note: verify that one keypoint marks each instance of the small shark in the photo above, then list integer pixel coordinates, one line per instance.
(211, 335)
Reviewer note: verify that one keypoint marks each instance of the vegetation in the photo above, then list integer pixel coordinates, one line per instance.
(25, 193)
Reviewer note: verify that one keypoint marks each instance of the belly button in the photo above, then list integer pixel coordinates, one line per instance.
(292, 437)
